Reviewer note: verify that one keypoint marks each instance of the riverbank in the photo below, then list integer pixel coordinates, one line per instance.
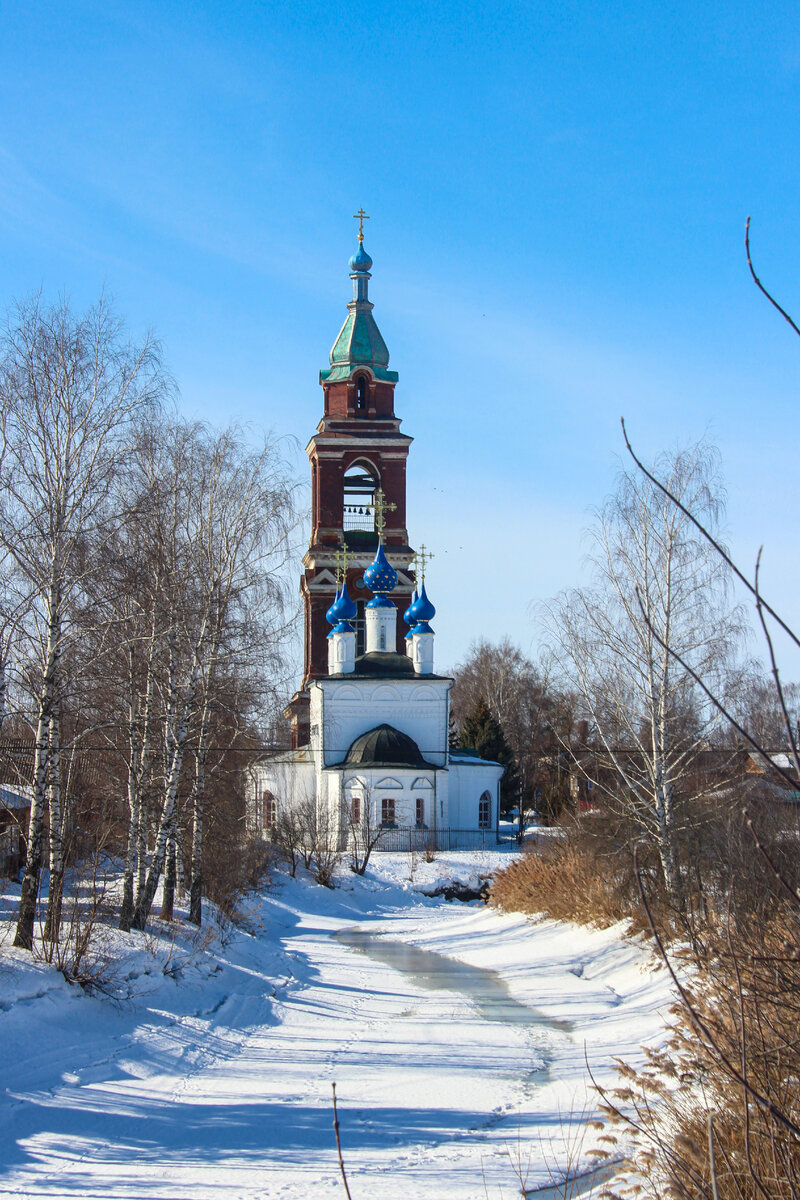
(212, 1072)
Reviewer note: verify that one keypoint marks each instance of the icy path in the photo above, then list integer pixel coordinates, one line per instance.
(220, 1084)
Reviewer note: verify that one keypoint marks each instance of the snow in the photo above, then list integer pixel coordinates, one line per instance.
(208, 1070)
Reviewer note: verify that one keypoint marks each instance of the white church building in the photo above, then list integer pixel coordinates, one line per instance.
(371, 720)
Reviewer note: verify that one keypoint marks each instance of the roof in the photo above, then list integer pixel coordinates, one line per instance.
(359, 344)
(385, 746)
(14, 797)
(383, 662)
(302, 755)
(470, 758)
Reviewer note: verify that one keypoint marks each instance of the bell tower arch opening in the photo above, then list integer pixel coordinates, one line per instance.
(361, 482)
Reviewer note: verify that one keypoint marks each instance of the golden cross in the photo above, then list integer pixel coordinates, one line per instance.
(361, 217)
(421, 559)
(342, 560)
(381, 506)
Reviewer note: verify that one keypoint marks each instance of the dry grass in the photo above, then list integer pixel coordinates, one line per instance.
(728, 1075)
(585, 876)
(722, 1097)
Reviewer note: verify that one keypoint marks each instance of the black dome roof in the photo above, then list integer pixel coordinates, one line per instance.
(387, 747)
(384, 662)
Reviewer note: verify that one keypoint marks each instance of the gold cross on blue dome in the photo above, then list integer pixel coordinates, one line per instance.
(361, 217)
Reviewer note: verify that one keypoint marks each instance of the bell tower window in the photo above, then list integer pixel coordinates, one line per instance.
(360, 486)
(362, 393)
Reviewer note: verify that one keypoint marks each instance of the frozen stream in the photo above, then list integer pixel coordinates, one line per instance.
(489, 994)
(481, 987)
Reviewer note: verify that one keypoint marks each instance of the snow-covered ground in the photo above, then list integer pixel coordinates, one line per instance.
(211, 1073)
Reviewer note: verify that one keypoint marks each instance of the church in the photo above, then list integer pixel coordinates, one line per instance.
(370, 721)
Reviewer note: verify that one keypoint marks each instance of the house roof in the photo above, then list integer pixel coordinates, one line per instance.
(465, 757)
(14, 797)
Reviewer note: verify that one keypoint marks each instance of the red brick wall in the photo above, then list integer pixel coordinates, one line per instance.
(340, 400)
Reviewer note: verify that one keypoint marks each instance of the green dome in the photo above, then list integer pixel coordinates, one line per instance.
(359, 343)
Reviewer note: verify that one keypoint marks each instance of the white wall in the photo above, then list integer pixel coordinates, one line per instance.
(402, 786)
(468, 782)
(341, 712)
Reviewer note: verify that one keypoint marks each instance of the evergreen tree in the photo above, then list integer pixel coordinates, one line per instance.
(482, 732)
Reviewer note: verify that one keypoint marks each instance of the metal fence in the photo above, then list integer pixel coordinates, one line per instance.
(410, 837)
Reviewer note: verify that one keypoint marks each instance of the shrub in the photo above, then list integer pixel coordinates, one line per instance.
(584, 877)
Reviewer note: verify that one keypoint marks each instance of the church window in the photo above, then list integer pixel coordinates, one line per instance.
(360, 484)
(485, 811)
(362, 393)
(269, 810)
(360, 625)
(387, 810)
(420, 807)
(355, 810)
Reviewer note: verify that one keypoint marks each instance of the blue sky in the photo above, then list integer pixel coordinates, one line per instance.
(557, 194)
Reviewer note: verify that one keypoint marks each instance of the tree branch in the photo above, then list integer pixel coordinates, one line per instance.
(709, 538)
(760, 285)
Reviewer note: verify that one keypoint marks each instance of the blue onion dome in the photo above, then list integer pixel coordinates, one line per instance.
(380, 575)
(342, 627)
(380, 601)
(408, 616)
(422, 627)
(332, 616)
(360, 261)
(421, 610)
(346, 609)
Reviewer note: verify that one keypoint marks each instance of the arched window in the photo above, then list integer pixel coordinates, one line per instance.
(269, 810)
(360, 625)
(485, 811)
(362, 393)
(360, 485)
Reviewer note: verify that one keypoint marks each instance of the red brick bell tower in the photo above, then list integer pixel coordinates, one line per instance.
(357, 453)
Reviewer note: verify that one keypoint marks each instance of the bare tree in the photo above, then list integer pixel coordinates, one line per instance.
(220, 523)
(362, 821)
(522, 696)
(70, 390)
(764, 713)
(655, 582)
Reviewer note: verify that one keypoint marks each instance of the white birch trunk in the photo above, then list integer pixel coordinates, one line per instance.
(177, 739)
(57, 833)
(33, 860)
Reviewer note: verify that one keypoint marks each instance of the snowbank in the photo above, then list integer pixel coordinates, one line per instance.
(208, 1067)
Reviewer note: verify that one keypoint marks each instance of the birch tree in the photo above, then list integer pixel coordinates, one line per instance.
(656, 582)
(71, 388)
(220, 525)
